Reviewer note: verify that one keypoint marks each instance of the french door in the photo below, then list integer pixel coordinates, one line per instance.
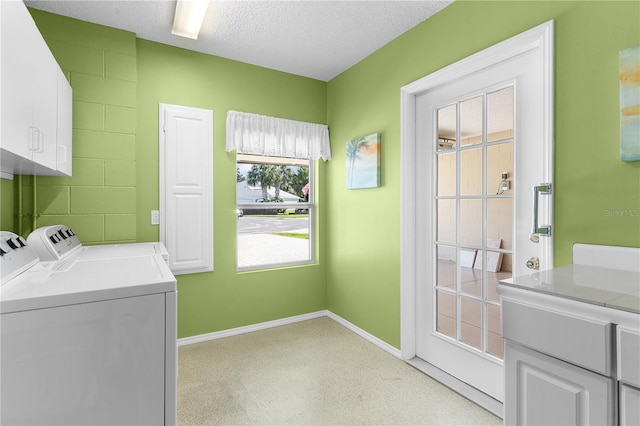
(481, 144)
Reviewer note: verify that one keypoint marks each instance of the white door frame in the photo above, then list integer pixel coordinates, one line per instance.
(539, 38)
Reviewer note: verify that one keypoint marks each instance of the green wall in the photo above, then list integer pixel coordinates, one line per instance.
(224, 299)
(363, 246)
(119, 80)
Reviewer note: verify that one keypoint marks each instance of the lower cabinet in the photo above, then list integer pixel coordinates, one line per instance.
(542, 390)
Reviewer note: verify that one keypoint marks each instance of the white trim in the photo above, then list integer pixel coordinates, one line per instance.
(249, 328)
(482, 399)
(290, 320)
(540, 37)
(365, 335)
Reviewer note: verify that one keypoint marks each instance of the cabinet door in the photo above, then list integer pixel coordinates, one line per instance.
(64, 132)
(629, 406)
(44, 88)
(17, 74)
(541, 390)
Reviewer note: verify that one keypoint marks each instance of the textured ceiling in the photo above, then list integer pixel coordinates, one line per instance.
(317, 39)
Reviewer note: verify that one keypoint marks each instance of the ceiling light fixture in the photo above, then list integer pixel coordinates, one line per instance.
(188, 17)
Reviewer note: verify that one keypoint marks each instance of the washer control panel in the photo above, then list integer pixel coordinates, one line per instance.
(15, 256)
(54, 242)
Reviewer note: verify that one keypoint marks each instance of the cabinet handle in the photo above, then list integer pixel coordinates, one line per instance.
(40, 141)
(34, 139)
(62, 154)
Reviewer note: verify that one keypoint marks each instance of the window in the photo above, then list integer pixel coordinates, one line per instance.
(275, 212)
(274, 188)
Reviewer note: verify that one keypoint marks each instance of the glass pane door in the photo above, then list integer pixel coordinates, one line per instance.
(474, 217)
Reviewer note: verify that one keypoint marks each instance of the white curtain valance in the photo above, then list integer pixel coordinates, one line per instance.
(262, 135)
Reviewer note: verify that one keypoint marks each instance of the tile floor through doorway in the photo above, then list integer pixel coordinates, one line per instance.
(470, 308)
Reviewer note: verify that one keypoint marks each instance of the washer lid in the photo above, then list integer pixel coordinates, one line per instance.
(67, 282)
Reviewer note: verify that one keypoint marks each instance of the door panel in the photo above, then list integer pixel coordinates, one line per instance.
(480, 139)
(186, 187)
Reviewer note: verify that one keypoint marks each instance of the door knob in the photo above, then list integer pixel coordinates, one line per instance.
(533, 263)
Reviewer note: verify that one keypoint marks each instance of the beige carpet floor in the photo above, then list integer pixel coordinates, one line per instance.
(314, 372)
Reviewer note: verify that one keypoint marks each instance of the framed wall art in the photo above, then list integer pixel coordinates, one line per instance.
(363, 162)
(630, 104)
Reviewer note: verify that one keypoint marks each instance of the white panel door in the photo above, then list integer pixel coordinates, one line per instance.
(186, 187)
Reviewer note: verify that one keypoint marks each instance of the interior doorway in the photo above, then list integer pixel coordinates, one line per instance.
(477, 136)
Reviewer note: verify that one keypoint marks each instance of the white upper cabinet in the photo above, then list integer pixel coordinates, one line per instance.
(36, 100)
(64, 133)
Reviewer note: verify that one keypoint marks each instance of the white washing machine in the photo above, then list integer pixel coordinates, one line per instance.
(86, 341)
(58, 242)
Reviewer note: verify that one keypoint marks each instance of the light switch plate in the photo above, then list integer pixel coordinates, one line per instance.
(155, 217)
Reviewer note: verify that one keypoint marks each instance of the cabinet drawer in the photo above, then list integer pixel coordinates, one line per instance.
(629, 356)
(584, 342)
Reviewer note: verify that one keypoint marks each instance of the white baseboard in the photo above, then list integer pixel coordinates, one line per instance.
(290, 320)
(365, 335)
(249, 328)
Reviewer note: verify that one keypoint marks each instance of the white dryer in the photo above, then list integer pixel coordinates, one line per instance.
(58, 242)
(86, 341)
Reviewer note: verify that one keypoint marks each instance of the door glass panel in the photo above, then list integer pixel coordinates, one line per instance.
(500, 223)
(499, 162)
(446, 221)
(471, 280)
(447, 174)
(471, 322)
(492, 283)
(474, 221)
(500, 114)
(447, 267)
(446, 319)
(471, 172)
(447, 122)
(471, 122)
(495, 344)
(471, 222)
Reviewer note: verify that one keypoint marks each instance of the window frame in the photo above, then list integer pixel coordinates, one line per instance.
(310, 205)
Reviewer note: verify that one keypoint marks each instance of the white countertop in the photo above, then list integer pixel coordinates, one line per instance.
(612, 288)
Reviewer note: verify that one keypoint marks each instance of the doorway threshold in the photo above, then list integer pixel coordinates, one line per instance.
(472, 394)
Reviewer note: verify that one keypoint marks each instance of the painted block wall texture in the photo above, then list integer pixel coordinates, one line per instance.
(363, 270)
(99, 201)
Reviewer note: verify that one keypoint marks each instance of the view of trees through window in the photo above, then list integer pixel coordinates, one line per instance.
(275, 212)
(291, 179)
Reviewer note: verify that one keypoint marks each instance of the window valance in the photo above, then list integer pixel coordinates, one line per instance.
(262, 135)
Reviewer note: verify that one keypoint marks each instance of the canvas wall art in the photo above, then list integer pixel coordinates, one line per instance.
(630, 104)
(363, 162)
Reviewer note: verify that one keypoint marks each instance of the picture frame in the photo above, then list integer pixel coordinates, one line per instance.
(363, 162)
